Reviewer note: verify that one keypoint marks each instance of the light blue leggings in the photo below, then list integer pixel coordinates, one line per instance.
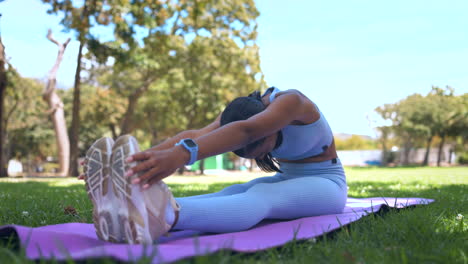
(301, 190)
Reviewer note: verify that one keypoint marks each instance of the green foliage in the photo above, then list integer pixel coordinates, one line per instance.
(449, 112)
(194, 58)
(411, 118)
(29, 131)
(355, 142)
(463, 158)
(163, 67)
(81, 16)
(417, 119)
(210, 73)
(100, 113)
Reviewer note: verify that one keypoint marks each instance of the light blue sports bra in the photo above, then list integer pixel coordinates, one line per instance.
(303, 141)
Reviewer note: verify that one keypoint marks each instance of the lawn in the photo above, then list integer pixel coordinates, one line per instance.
(435, 233)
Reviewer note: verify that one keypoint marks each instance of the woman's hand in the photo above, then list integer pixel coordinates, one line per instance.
(155, 165)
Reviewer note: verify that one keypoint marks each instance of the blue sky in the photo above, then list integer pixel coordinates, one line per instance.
(348, 56)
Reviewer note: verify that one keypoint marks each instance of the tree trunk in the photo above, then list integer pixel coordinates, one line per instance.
(153, 130)
(202, 167)
(406, 151)
(3, 85)
(441, 149)
(428, 149)
(75, 125)
(154, 137)
(383, 140)
(56, 110)
(6, 142)
(450, 156)
(114, 132)
(127, 123)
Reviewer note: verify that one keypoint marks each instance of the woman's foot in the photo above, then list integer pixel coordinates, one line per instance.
(144, 215)
(99, 188)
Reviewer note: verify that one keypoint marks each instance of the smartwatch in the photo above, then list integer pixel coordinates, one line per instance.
(192, 147)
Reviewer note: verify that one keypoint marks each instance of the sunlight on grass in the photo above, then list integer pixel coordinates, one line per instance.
(65, 181)
(442, 176)
(207, 179)
(175, 179)
(436, 233)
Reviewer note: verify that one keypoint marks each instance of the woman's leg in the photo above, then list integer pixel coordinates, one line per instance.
(236, 188)
(293, 198)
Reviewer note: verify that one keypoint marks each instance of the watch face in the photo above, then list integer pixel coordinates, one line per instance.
(190, 143)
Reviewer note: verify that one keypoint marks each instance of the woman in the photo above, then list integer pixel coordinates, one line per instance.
(283, 131)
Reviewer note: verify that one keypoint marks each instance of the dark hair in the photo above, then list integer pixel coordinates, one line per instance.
(243, 108)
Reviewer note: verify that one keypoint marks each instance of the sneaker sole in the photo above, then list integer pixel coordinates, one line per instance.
(97, 186)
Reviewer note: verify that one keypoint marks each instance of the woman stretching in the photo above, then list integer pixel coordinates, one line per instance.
(283, 131)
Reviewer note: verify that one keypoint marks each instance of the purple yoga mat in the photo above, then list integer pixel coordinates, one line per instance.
(79, 241)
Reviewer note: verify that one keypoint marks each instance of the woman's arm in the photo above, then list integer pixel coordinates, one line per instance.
(170, 142)
(156, 165)
(284, 110)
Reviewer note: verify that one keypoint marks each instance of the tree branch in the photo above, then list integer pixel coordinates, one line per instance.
(144, 87)
(50, 87)
(8, 115)
(175, 27)
(54, 108)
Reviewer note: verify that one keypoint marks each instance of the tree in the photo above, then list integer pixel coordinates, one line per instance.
(386, 112)
(184, 42)
(439, 114)
(212, 72)
(101, 112)
(413, 124)
(56, 109)
(449, 116)
(207, 53)
(410, 119)
(28, 130)
(3, 86)
(437, 103)
(459, 130)
(81, 16)
(148, 36)
(75, 18)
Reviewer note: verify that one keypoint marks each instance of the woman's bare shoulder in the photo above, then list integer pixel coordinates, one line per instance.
(296, 93)
(309, 111)
(292, 91)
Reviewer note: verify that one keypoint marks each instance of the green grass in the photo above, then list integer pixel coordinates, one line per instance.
(436, 233)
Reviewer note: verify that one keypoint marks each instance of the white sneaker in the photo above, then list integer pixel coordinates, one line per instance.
(142, 213)
(100, 191)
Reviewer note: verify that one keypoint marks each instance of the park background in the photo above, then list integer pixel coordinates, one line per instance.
(390, 78)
